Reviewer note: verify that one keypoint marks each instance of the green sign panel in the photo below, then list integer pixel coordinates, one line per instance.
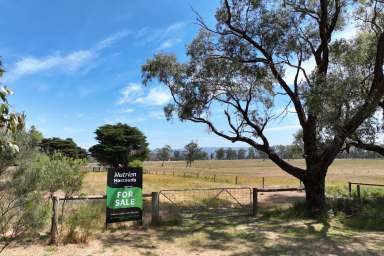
(119, 198)
(124, 194)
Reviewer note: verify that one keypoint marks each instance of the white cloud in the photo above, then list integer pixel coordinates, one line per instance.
(129, 93)
(134, 93)
(175, 27)
(148, 35)
(71, 62)
(169, 43)
(31, 65)
(156, 96)
(109, 41)
(126, 110)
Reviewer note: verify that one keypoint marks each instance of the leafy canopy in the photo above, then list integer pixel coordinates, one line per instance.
(67, 147)
(119, 144)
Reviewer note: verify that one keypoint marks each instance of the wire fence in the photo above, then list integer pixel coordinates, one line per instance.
(236, 179)
(209, 202)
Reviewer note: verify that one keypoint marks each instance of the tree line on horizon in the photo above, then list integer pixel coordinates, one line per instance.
(288, 152)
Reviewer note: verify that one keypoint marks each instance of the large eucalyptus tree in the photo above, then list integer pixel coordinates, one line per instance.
(243, 64)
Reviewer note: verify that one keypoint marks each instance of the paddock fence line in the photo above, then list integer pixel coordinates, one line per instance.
(360, 184)
(236, 179)
(170, 205)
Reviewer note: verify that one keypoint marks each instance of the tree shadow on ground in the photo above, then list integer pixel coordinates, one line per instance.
(249, 236)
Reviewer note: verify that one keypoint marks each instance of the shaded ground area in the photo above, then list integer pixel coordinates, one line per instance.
(232, 237)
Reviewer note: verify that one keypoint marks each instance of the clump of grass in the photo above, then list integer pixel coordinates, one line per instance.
(365, 213)
(83, 223)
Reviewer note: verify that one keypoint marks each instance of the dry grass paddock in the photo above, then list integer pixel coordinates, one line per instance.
(249, 172)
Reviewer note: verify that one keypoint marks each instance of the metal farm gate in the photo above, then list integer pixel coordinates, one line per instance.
(204, 202)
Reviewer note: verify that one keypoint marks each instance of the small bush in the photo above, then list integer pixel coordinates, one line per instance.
(135, 164)
(367, 213)
(83, 223)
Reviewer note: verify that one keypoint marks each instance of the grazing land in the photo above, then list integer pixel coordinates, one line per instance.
(249, 172)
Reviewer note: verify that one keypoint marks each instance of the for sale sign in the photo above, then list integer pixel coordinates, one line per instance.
(124, 194)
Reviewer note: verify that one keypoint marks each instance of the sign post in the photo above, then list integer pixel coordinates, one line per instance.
(124, 194)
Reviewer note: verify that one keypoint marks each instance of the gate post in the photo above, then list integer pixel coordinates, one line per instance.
(54, 221)
(155, 209)
(350, 189)
(254, 201)
(358, 191)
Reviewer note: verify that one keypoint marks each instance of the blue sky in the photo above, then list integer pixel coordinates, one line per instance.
(75, 65)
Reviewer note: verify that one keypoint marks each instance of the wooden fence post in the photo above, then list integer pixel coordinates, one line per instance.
(350, 189)
(263, 182)
(254, 201)
(155, 209)
(173, 173)
(236, 180)
(54, 221)
(214, 177)
(358, 191)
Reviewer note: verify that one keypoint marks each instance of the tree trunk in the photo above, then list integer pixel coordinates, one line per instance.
(314, 183)
(54, 222)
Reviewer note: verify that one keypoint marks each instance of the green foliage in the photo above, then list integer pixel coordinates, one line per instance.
(241, 153)
(164, 153)
(365, 213)
(251, 153)
(83, 222)
(230, 154)
(257, 54)
(58, 172)
(192, 152)
(35, 212)
(66, 147)
(10, 122)
(220, 153)
(23, 209)
(136, 164)
(119, 144)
